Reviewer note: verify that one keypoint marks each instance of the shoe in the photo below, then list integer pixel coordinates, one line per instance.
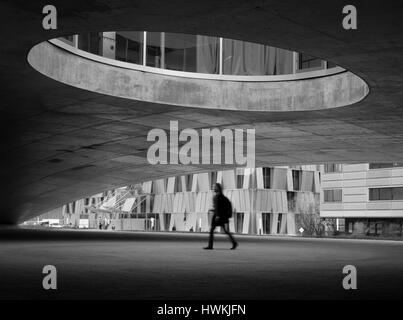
(234, 246)
(208, 248)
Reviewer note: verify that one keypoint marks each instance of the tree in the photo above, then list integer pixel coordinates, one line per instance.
(311, 221)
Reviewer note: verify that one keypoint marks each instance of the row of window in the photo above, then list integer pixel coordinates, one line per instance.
(375, 194)
(385, 165)
(196, 53)
(333, 195)
(240, 177)
(386, 193)
(296, 179)
(334, 167)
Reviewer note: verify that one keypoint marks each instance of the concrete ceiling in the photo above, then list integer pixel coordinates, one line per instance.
(60, 143)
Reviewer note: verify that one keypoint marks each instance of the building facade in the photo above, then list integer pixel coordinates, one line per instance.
(366, 199)
(265, 201)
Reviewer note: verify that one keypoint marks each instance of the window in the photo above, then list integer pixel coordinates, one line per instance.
(68, 39)
(90, 42)
(239, 178)
(247, 58)
(291, 201)
(213, 179)
(143, 204)
(334, 195)
(266, 178)
(385, 165)
(183, 52)
(155, 49)
(280, 218)
(296, 179)
(178, 184)
(189, 182)
(331, 65)
(129, 47)
(332, 167)
(238, 222)
(308, 62)
(376, 194)
(180, 52)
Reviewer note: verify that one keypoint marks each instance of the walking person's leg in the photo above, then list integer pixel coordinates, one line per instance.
(226, 230)
(211, 236)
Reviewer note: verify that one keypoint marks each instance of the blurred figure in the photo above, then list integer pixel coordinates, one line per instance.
(222, 213)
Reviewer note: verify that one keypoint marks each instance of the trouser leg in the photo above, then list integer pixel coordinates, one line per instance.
(228, 233)
(211, 237)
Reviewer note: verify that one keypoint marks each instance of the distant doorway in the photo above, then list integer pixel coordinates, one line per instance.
(152, 222)
(167, 221)
(265, 223)
(238, 222)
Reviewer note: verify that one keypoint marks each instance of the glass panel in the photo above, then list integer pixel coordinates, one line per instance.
(327, 195)
(239, 222)
(180, 52)
(183, 52)
(308, 62)
(207, 54)
(129, 46)
(385, 165)
(332, 167)
(95, 43)
(385, 194)
(83, 42)
(239, 181)
(90, 42)
(195, 53)
(266, 178)
(332, 195)
(337, 195)
(135, 47)
(213, 179)
(331, 65)
(121, 47)
(374, 194)
(291, 201)
(68, 39)
(246, 58)
(155, 42)
(397, 193)
(296, 179)
(266, 222)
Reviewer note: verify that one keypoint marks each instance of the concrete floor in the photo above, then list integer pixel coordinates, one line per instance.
(123, 265)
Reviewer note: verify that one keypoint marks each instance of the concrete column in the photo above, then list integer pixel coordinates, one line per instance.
(291, 224)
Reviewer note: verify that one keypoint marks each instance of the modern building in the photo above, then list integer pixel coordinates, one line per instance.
(266, 200)
(366, 199)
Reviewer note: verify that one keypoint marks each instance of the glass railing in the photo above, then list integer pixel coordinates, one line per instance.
(195, 53)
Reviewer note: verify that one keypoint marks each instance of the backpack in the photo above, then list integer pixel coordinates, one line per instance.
(227, 208)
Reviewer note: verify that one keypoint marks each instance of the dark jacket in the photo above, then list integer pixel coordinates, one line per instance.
(220, 208)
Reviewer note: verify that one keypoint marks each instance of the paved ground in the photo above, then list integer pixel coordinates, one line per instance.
(123, 265)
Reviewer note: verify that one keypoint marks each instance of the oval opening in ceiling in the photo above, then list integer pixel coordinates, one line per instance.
(196, 71)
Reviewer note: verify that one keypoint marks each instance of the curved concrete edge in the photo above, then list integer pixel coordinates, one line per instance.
(326, 92)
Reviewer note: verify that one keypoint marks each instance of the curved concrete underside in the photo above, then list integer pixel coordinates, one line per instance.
(61, 143)
(330, 91)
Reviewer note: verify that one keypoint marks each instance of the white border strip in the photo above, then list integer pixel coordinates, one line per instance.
(194, 75)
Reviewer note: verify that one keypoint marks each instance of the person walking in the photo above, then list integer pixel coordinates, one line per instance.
(222, 213)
